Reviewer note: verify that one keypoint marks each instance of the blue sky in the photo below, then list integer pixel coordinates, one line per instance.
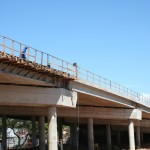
(108, 37)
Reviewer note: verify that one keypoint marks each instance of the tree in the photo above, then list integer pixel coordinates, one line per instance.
(20, 128)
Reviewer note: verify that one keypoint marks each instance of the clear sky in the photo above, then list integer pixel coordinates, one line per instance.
(108, 37)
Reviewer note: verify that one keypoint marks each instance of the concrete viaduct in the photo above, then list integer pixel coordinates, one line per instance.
(44, 86)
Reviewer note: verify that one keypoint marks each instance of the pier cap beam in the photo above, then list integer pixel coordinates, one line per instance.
(101, 113)
(12, 95)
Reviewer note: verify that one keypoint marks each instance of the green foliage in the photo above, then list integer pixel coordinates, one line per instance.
(19, 127)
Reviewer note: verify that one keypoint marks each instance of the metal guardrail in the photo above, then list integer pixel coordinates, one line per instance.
(14, 48)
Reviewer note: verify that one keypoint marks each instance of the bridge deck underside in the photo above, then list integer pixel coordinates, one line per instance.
(88, 100)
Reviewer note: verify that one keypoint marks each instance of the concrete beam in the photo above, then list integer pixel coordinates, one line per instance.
(99, 92)
(103, 121)
(107, 93)
(102, 113)
(36, 96)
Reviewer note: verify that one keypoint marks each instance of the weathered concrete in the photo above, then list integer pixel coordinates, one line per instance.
(118, 138)
(33, 119)
(90, 134)
(42, 132)
(36, 96)
(108, 132)
(52, 129)
(59, 120)
(131, 135)
(73, 134)
(141, 137)
(138, 140)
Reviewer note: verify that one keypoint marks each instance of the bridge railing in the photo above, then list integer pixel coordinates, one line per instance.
(14, 48)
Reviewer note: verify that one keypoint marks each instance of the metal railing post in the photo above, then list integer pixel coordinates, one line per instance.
(99, 80)
(87, 75)
(13, 48)
(93, 77)
(28, 53)
(41, 58)
(110, 84)
(67, 67)
(48, 64)
(62, 65)
(4, 46)
(35, 57)
(52, 62)
(20, 50)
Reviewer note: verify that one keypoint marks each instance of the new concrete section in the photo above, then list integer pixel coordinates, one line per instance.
(131, 135)
(52, 129)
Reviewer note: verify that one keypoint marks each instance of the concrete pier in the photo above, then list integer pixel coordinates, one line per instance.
(90, 134)
(52, 129)
(141, 137)
(73, 134)
(131, 135)
(42, 132)
(118, 138)
(138, 140)
(59, 120)
(33, 119)
(108, 131)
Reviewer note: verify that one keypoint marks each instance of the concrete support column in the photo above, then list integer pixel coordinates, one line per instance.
(33, 131)
(60, 128)
(90, 134)
(118, 138)
(73, 134)
(131, 135)
(42, 132)
(138, 140)
(108, 130)
(4, 133)
(142, 140)
(52, 129)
